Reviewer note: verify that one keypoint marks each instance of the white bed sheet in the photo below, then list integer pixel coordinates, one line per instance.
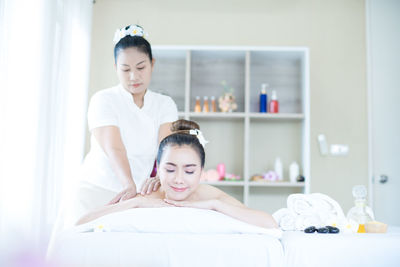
(165, 249)
(327, 250)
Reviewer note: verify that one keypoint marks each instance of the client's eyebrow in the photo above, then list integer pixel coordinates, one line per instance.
(187, 165)
(190, 165)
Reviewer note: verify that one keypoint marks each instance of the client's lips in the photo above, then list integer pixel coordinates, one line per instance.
(136, 85)
(178, 189)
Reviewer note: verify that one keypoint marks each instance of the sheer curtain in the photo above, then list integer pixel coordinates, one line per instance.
(44, 63)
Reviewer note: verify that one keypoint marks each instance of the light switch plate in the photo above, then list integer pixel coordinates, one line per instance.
(339, 150)
(323, 145)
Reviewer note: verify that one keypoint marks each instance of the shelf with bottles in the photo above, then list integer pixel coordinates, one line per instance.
(269, 141)
(226, 144)
(282, 72)
(247, 141)
(214, 71)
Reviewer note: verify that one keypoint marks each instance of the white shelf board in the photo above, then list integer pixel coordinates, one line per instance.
(252, 115)
(276, 184)
(225, 183)
(277, 116)
(217, 115)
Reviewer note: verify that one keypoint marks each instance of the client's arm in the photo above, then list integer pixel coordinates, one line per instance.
(220, 201)
(225, 204)
(136, 202)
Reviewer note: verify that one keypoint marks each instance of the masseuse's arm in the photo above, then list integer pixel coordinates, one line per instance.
(152, 184)
(109, 138)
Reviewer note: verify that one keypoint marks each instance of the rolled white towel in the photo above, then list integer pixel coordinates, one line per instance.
(285, 219)
(300, 203)
(327, 206)
(305, 220)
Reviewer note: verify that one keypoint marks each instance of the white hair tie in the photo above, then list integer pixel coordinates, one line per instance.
(132, 30)
(199, 136)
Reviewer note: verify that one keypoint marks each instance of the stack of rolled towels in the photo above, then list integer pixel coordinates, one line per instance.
(304, 210)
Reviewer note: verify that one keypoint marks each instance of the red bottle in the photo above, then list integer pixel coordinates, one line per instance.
(273, 104)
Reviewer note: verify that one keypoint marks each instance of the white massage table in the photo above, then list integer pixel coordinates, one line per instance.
(309, 250)
(191, 237)
(161, 249)
(167, 237)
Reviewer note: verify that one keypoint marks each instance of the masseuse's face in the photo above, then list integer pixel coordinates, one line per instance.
(180, 171)
(134, 70)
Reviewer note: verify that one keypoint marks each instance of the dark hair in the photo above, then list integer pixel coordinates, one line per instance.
(180, 137)
(133, 41)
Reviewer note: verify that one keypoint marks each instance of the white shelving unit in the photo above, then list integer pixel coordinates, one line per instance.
(246, 141)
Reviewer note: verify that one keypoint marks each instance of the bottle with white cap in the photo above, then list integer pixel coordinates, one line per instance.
(274, 104)
(279, 169)
(263, 98)
(294, 171)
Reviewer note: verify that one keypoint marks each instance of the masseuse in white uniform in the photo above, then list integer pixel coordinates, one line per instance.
(126, 124)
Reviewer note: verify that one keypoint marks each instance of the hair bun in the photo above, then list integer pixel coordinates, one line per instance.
(182, 125)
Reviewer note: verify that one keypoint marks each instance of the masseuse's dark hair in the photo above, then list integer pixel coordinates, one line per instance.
(133, 41)
(181, 136)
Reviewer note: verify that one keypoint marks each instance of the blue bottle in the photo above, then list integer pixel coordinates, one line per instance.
(263, 98)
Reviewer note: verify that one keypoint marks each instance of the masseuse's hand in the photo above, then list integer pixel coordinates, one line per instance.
(150, 185)
(128, 193)
(204, 204)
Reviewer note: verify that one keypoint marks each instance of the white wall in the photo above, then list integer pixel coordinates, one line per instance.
(333, 30)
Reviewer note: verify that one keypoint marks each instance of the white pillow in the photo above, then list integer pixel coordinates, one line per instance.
(173, 220)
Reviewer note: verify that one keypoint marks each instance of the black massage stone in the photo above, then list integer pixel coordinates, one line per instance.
(323, 230)
(333, 230)
(310, 230)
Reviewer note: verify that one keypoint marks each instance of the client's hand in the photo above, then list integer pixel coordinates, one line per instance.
(151, 184)
(146, 202)
(128, 193)
(204, 204)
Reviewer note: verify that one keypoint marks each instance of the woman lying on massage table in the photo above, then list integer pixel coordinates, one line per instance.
(180, 162)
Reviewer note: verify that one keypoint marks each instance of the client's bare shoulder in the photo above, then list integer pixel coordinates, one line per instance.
(159, 194)
(206, 192)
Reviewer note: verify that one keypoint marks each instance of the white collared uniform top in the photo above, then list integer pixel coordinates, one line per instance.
(139, 132)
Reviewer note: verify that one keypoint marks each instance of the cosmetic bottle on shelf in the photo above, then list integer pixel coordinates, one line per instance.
(263, 98)
(213, 104)
(197, 106)
(294, 172)
(206, 107)
(279, 168)
(274, 104)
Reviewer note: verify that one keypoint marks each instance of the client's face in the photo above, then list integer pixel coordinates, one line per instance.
(179, 171)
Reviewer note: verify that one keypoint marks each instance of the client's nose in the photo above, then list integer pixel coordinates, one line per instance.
(179, 177)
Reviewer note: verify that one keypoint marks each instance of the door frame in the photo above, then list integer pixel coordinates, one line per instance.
(369, 103)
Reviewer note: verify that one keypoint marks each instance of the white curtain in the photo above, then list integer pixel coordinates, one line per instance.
(44, 63)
